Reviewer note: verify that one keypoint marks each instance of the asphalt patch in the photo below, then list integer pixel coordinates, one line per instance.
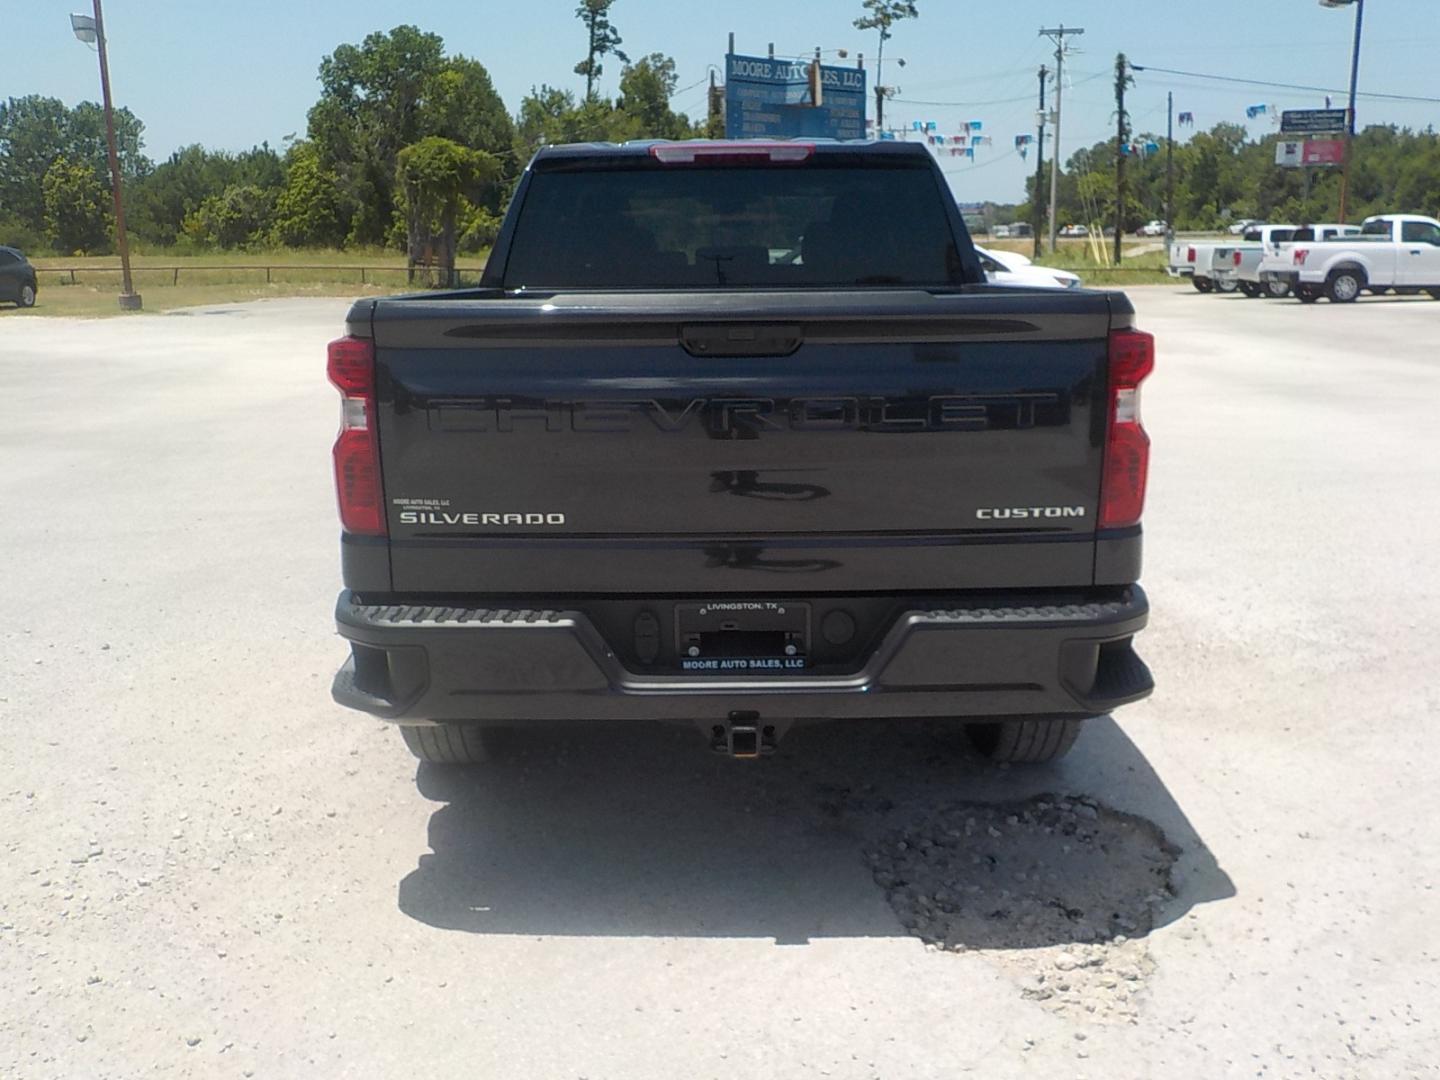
(1060, 890)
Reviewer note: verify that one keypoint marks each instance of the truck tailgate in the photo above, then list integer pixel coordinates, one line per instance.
(870, 440)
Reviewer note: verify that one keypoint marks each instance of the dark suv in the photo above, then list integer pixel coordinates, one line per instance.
(17, 278)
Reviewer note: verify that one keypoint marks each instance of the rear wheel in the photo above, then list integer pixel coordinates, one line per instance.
(1307, 294)
(1202, 284)
(1250, 289)
(1024, 741)
(27, 295)
(1277, 289)
(447, 744)
(1343, 286)
(1226, 285)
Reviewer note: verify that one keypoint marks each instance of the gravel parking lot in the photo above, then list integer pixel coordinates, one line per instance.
(211, 870)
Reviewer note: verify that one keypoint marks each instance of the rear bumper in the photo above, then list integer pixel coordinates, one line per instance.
(414, 664)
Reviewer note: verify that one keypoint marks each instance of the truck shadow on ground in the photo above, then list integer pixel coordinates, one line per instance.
(636, 830)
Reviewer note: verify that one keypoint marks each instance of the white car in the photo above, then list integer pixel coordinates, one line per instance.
(1012, 268)
(1151, 228)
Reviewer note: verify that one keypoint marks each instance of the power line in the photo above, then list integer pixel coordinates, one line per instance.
(997, 101)
(1286, 86)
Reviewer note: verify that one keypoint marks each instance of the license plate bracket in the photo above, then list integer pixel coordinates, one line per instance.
(743, 636)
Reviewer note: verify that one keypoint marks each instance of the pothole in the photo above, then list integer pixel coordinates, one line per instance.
(1060, 891)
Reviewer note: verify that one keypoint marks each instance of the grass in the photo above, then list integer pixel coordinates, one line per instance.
(1138, 267)
(219, 277)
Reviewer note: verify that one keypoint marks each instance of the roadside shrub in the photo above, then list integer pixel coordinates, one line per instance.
(239, 216)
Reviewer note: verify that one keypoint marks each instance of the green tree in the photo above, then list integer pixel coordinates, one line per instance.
(239, 216)
(37, 131)
(646, 87)
(883, 14)
(77, 218)
(436, 177)
(309, 210)
(390, 91)
(543, 118)
(603, 39)
(158, 203)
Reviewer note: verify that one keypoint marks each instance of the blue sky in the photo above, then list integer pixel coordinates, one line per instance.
(235, 74)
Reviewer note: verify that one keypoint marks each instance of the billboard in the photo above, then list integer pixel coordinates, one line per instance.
(1298, 153)
(769, 98)
(1324, 151)
(1312, 121)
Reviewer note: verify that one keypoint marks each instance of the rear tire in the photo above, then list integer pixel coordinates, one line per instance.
(1343, 286)
(1024, 741)
(1278, 290)
(447, 744)
(27, 295)
(1226, 285)
(1307, 294)
(1202, 284)
(1250, 289)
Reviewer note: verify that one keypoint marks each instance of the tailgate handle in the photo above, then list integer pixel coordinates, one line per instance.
(741, 339)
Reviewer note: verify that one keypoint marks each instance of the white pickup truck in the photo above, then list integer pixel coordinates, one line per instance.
(1391, 251)
(1195, 260)
(1242, 262)
(1208, 264)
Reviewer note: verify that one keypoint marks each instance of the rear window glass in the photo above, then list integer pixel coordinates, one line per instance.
(816, 225)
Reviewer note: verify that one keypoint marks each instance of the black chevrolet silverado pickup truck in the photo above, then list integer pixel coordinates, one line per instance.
(736, 433)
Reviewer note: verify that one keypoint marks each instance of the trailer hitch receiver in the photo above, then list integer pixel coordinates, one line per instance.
(743, 735)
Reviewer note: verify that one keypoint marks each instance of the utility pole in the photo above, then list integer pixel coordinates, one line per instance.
(1169, 168)
(1040, 163)
(1350, 116)
(1123, 79)
(1058, 36)
(715, 110)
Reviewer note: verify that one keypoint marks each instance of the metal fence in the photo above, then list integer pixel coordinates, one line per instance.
(417, 274)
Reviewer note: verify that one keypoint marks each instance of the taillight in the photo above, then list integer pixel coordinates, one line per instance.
(1127, 447)
(1190, 254)
(1299, 255)
(1237, 258)
(350, 364)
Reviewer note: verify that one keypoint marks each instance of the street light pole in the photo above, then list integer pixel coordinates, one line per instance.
(129, 298)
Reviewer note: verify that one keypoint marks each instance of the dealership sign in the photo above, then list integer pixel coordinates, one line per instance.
(1312, 121)
(769, 97)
